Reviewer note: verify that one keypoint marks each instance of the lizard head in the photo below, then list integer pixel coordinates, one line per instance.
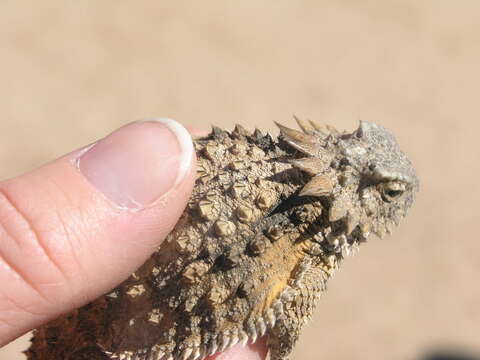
(362, 180)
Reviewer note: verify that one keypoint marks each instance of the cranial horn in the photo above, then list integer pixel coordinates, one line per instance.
(320, 129)
(306, 143)
(319, 185)
(333, 130)
(295, 134)
(312, 166)
(305, 125)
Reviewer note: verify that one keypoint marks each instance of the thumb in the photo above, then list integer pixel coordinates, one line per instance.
(73, 229)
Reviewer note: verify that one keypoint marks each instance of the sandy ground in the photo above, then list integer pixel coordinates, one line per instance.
(73, 71)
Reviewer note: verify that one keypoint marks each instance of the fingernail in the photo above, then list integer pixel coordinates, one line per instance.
(140, 163)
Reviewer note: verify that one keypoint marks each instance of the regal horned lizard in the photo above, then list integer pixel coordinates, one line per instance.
(268, 223)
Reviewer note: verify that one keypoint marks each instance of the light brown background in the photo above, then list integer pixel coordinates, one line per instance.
(71, 71)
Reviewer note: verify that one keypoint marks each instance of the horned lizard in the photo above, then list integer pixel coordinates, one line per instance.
(268, 223)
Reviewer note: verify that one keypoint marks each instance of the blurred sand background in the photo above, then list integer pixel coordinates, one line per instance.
(71, 71)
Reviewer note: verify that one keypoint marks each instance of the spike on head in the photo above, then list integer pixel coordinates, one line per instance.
(312, 166)
(295, 134)
(305, 125)
(305, 143)
(319, 185)
(320, 129)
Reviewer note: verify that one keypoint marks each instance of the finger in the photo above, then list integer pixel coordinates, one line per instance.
(73, 229)
(255, 351)
(197, 132)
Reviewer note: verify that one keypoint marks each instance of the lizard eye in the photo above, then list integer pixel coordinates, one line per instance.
(392, 190)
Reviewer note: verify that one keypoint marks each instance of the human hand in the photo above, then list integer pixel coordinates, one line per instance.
(75, 228)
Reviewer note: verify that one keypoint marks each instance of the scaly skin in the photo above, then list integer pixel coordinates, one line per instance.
(268, 223)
